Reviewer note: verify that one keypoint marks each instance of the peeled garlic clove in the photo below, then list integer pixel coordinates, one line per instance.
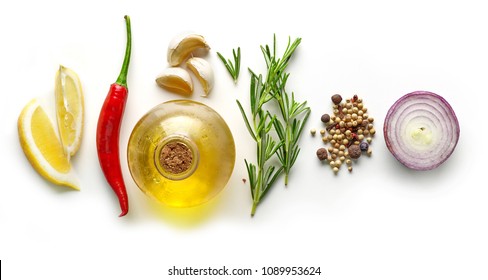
(183, 45)
(175, 79)
(203, 71)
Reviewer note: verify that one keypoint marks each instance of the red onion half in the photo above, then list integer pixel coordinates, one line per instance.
(421, 130)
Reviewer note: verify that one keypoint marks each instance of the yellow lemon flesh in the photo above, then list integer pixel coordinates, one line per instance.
(69, 109)
(42, 146)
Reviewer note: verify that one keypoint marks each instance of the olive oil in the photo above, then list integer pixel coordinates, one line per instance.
(181, 153)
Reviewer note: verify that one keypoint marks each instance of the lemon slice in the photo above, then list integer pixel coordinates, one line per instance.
(42, 146)
(69, 108)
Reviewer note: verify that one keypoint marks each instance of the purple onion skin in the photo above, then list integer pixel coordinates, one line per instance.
(413, 164)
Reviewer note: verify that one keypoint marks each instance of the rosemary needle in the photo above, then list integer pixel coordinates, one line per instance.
(232, 68)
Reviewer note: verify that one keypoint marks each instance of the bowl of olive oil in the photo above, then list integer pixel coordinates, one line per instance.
(181, 153)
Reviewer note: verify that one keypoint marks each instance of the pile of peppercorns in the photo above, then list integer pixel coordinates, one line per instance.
(349, 132)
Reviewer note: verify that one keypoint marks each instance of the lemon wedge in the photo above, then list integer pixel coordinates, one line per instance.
(42, 146)
(69, 108)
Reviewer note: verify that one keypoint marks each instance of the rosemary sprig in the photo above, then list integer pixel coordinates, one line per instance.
(263, 175)
(232, 68)
(288, 127)
(294, 115)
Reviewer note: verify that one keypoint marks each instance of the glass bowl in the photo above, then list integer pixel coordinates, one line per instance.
(181, 153)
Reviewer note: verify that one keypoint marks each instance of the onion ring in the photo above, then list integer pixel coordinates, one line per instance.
(421, 130)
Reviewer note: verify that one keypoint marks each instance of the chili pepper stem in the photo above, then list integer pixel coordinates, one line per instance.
(122, 79)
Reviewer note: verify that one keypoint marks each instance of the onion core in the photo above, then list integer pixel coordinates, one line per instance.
(421, 130)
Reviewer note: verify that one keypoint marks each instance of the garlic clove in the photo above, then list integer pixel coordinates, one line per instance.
(203, 71)
(175, 79)
(183, 45)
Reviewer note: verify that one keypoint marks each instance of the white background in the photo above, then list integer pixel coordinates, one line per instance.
(383, 221)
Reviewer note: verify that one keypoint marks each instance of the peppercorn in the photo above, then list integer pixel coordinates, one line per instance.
(325, 118)
(336, 99)
(354, 151)
(322, 154)
(364, 146)
(349, 130)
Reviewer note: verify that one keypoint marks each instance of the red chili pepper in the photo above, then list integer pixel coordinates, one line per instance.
(109, 126)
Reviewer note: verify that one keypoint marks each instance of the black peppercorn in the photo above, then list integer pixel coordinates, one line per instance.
(336, 99)
(322, 154)
(364, 146)
(325, 118)
(354, 151)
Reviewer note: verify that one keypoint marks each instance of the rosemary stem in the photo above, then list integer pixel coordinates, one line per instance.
(253, 210)
(260, 178)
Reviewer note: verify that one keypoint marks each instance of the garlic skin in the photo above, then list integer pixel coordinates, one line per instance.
(181, 46)
(175, 79)
(202, 69)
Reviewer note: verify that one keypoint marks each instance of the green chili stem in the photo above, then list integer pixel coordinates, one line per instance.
(122, 79)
